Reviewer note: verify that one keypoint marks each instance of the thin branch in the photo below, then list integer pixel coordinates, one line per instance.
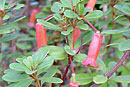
(114, 69)
(72, 67)
(90, 24)
(48, 17)
(67, 69)
(7, 54)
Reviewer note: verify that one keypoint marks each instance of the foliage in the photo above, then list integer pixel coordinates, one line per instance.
(23, 65)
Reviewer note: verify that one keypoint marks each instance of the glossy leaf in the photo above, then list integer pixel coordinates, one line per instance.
(23, 46)
(8, 28)
(14, 77)
(2, 4)
(65, 32)
(8, 37)
(18, 67)
(80, 57)
(125, 45)
(83, 78)
(115, 31)
(51, 80)
(81, 8)
(121, 79)
(94, 15)
(57, 52)
(125, 8)
(56, 7)
(69, 51)
(47, 62)
(24, 83)
(99, 79)
(70, 14)
(49, 25)
(83, 26)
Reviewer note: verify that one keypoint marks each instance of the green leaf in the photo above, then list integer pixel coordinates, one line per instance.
(8, 37)
(112, 84)
(111, 65)
(6, 17)
(38, 57)
(65, 32)
(19, 6)
(70, 29)
(47, 62)
(94, 15)
(70, 14)
(24, 46)
(121, 79)
(102, 65)
(69, 51)
(8, 28)
(14, 77)
(18, 67)
(115, 31)
(125, 8)
(51, 71)
(50, 80)
(23, 83)
(83, 26)
(28, 62)
(57, 52)
(56, 7)
(125, 45)
(81, 8)
(83, 78)
(101, 24)
(49, 25)
(99, 79)
(66, 3)
(2, 4)
(30, 72)
(119, 54)
(80, 57)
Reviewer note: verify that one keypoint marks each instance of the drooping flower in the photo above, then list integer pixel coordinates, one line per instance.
(91, 5)
(75, 35)
(32, 18)
(41, 35)
(93, 51)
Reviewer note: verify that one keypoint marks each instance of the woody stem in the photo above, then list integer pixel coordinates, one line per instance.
(90, 24)
(114, 69)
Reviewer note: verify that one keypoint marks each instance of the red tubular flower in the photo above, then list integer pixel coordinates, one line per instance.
(41, 35)
(93, 51)
(73, 84)
(32, 18)
(75, 35)
(91, 5)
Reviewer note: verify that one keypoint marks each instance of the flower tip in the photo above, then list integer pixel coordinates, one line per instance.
(90, 61)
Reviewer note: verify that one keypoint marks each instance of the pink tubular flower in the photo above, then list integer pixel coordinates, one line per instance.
(41, 36)
(75, 35)
(91, 5)
(93, 51)
(32, 18)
